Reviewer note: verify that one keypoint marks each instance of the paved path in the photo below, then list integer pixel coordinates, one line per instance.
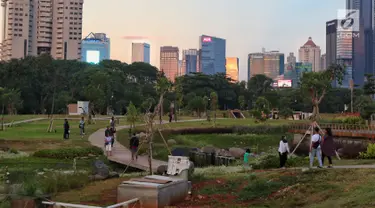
(24, 121)
(122, 154)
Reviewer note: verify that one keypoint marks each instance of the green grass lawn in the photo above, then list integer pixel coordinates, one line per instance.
(33, 136)
(238, 187)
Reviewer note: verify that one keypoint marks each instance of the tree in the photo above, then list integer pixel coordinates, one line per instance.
(286, 112)
(369, 86)
(259, 84)
(132, 115)
(262, 109)
(316, 85)
(214, 104)
(147, 104)
(163, 85)
(2, 101)
(241, 102)
(196, 104)
(367, 112)
(206, 101)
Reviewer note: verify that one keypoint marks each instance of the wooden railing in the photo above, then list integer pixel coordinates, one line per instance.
(67, 205)
(349, 130)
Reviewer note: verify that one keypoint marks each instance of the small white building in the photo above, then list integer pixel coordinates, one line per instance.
(81, 108)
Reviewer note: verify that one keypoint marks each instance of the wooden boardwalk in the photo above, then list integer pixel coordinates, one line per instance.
(122, 155)
(339, 130)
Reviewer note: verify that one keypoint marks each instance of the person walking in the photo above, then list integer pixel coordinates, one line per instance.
(315, 148)
(108, 141)
(82, 127)
(134, 143)
(66, 129)
(328, 147)
(112, 122)
(283, 151)
(112, 133)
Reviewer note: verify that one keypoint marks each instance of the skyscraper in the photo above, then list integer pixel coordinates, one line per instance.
(363, 44)
(339, 49)
(34, 27)
(96, 47)
(310, 53)
(169, 59)
(295, 73)
(212, 54)
(189, 61)
(141, 52)
(323, 65)
(255, 64)
(270, 64)
(291, 59)
(232, 68)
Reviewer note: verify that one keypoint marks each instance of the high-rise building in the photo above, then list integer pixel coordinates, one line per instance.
(339, 49)
(363, 44)
(232, 68)
(34, 27)
(291, 59)
(141, 52)
(295, 73)
(96, 47)
(212, 54)
(169, 59)
(189, 61)
(323, 65)
(310, 53)
(255, 64)
(270, 64)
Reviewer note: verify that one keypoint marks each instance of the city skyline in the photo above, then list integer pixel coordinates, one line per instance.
(239, 25)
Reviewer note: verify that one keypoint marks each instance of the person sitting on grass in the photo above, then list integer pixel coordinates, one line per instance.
(246, 157)
(108, 142)
(283, 151)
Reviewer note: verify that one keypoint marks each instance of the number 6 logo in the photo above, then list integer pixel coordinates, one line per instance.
(348, 22)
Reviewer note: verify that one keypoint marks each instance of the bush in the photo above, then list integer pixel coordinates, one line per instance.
(369, 154)
(348, 120)
(211, 130)
(260, 129)
(272, 160)
(68, 153)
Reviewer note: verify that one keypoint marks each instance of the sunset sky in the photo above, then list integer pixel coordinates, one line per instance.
(247, 25)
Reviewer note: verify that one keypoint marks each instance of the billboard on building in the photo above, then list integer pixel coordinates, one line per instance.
(93, 56)
(284, 83)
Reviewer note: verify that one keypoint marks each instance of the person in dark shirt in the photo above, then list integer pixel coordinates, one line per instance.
(112, 133)
(66, 129)
(134, 143)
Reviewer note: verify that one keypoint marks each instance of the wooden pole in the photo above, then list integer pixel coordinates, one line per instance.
(300, 141)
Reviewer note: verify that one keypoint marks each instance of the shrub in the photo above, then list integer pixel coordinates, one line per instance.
(68, 153)
(369, 154)
(260, 129)
(348, 120)
(271, 160)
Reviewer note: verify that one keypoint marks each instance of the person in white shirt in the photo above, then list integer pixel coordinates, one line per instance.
(283, 151)
(315, 149)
